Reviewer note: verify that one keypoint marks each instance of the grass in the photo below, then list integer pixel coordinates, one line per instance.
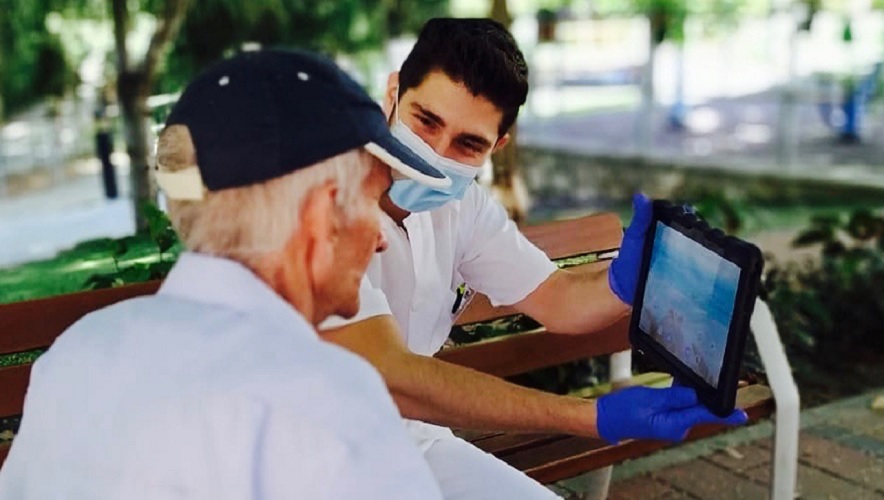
(20, 358)
(68, 271)
(754, 219)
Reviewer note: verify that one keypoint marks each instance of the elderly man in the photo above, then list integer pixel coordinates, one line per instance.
(218, 386)
(453, 103)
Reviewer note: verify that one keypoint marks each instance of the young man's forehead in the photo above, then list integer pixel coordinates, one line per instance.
(455, 105)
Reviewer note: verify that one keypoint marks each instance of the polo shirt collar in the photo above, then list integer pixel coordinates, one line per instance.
(227, 283)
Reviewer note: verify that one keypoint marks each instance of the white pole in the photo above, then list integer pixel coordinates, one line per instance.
(621, 366)
(597, 483)
(788, 403)
(787, 151)
(644, 124)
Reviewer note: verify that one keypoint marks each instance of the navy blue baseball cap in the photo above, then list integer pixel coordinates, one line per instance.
(264, 114)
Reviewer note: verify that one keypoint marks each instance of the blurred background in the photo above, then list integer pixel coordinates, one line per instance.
(767, 115)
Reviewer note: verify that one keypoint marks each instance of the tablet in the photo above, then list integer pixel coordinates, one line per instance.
(696, 291)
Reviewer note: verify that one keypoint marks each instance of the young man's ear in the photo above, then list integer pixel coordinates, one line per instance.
(501, 143)
(391, 96)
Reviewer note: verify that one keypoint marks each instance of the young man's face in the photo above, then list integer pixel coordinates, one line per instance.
(447, 116)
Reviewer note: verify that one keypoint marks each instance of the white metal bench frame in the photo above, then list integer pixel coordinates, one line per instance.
(784, 464)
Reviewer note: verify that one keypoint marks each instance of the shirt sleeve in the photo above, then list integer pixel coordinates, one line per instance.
(344, 465)
(348, 445)
(496, 258)
(372, 302)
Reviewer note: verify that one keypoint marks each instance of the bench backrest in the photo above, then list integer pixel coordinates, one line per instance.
(594, 234)
(34, 324)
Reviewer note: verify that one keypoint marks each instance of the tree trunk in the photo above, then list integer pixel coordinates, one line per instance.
(500, 12)
(507, 183)
(3, 189)
(133, 92)
(134, 83)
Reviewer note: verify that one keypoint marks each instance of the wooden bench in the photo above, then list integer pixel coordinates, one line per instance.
(551, 457)
(30, 325)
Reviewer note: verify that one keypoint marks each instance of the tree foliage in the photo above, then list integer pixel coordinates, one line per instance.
(832, 310)
(215, 28)
(32, 62)
(668, 16)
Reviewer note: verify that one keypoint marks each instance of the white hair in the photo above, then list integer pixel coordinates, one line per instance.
(249, 222)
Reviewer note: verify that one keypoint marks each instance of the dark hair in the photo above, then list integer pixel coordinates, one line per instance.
(480, 53)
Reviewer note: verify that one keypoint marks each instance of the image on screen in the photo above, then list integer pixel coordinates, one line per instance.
(689, 301)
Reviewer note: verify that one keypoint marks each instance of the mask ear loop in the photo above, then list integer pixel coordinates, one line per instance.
(396, 106)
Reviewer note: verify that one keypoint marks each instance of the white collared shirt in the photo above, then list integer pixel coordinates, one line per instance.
(470, 241)
(213, 388)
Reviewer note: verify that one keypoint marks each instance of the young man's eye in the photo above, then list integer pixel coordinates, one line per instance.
(471, 147)
(425, 121)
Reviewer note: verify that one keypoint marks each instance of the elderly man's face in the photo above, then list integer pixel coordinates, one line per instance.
(360, 239)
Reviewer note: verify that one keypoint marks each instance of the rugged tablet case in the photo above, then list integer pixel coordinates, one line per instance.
(720, 400)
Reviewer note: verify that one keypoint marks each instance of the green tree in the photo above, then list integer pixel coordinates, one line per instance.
(32, 62)
(215, 28)
(409, 16)
(507, 182)
(198, 33)
(135, 80)
(666, 21)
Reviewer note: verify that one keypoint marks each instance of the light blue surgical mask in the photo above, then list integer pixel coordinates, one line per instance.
(412, 196)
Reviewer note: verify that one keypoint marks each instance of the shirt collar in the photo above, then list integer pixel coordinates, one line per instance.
(219, 281)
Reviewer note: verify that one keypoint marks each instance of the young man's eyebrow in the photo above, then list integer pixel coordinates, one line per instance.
(429, 114)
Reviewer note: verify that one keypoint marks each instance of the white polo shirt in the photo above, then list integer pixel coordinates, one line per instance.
(470, 241)
(213, 388)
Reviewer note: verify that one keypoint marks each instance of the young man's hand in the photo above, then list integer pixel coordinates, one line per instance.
(623, 273)
(646, 413)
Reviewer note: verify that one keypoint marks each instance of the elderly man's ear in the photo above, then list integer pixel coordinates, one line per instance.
(321, 226)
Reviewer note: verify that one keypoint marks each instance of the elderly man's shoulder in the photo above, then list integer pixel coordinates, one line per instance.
(196, 350)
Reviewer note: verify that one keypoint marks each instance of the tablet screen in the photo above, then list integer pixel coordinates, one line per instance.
(689, 301)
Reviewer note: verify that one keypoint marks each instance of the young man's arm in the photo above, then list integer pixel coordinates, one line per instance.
(584, 300)
(576, 300)
(435, 391)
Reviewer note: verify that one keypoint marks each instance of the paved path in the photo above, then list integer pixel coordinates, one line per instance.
(38, 224)
(841, 457)
(734, 133)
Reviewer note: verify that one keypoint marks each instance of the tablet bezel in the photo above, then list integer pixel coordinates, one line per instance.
(747, 257)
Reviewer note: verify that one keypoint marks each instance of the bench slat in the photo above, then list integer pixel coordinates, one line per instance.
(571, 456)
(509, 443)
(14, 381)
(524, 352)
(34, 324)
(565, 238)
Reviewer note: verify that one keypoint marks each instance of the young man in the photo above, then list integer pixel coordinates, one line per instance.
(455, 98)
(217, 386)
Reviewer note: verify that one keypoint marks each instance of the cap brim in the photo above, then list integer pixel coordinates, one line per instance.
(403, 160)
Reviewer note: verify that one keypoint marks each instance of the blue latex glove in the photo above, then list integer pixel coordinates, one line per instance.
(623, 273)
(645, 413)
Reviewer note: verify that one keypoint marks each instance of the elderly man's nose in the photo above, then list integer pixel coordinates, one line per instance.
(382, 242)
